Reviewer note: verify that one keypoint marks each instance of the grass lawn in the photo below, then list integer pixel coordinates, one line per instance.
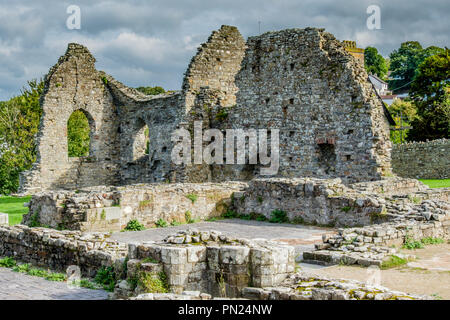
(443, 183)
(13, 206)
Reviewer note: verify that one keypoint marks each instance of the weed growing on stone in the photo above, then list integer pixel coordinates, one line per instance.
(412, 244)
(278, 216)
(431, 240)
(153, 282)
(7, 262)
(392, 262)
(230, 214)
(161, 223)
(27, 268)
(106, 277)
(193, 197)
(149, 260)
(188, 217)
(134, 225)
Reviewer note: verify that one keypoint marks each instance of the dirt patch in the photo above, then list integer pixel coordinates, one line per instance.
(428, 274)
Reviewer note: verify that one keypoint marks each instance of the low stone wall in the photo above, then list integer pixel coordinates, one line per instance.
(111, 208)
(4, 219)
(302, 286)
(371, 245)
(388, 186)
(422, 160)
(58, 250)
(309, 200)
(214, 264)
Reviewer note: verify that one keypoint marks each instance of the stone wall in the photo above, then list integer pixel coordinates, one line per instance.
(304, 200)
(422, 160)
(4, 219)
(215, 66)
(111, 208)
(213, 263)
(309, 200)
(303, 286)
(58, 250)
(301, 81)
(304, 83)
(74, 84)
(371, 245)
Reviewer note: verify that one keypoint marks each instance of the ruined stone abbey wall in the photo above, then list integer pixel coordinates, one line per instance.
(422, 160)
(304, 83)
(301, 81)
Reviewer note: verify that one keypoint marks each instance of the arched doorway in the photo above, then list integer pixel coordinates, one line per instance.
(141, 139)
(80, 128)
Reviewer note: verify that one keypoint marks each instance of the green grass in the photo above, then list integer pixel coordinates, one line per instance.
(442, 183)
(411, 244)
(27, 268)
(393, 262)
(13, 206)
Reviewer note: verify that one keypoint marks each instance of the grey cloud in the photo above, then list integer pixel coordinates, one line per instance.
(166, 32)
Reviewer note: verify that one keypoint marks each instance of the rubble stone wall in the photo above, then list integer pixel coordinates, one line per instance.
(111, 208)
(309, 200)
(58, 250)
(74, 84)
(422, 160)
(304, 83)
(300, 81)
(221, 268)
(371, 245)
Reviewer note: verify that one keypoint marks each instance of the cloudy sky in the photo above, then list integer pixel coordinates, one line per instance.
(147, 43)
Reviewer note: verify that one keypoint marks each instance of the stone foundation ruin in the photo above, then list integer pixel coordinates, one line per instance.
(334, 170)
(300, 81)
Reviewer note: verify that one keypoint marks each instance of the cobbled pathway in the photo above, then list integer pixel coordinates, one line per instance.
(19, 286)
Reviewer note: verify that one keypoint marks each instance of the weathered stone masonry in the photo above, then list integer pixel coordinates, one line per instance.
(111, 208)
(422, 160)
(301, 81)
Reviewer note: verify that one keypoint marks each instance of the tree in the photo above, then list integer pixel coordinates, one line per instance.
(405, 61)
(374, 62)
(430, 91)
(151, 90)
(19, 124)
(403, 112)
(78, 131)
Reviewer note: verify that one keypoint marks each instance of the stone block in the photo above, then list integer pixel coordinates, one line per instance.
(261, 256)
(196, 254)
(173, 255)
(4, 219)
(234, 254)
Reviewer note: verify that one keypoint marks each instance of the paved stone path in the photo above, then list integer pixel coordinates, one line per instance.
(19, 286)
(300, 236)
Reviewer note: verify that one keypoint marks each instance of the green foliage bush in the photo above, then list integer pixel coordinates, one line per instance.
(192, 197)
(106, 277)
(151, 90)
(19, 123)
(8, 262)
(134, 225)
(153, 282)
(278, 216)
(230, 214)
(161, 223)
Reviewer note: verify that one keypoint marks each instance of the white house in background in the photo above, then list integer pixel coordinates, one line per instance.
(389, 98)
(380, 85)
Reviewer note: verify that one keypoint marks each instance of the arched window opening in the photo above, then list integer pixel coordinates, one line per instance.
(79, 134)
(141, 143)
